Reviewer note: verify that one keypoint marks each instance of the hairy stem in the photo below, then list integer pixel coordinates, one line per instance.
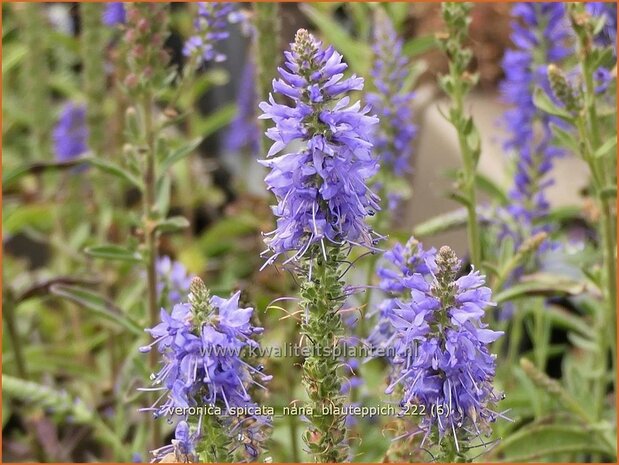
(322, 298)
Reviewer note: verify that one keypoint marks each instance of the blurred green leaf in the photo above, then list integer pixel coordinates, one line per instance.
(540, 284)
(543, 441)
(37, 216)
(544, 103)
(112, 168)
(607, 148)
(113, 252)
(180, 153)
(441, 223)
(208, 125)
(355, 53)
(418, 45)
(222, 235)
(98, 304)
(172, 224)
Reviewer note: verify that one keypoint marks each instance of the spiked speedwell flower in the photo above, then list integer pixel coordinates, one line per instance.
(441, 347)
(408, 260)
(201, 343)
(210, 28)
(320, 186)
(71, 133)
(174, 281)
(392, 102)
(540, 33)
(114, 13)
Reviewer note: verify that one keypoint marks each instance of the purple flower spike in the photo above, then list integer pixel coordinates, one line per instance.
(540, 33)
(210, 28)
(71, 133)
(320, 184)
(114, 14)
(402, 263)
(442, 360)
(244, 132)
(173, 280)
(392, 103)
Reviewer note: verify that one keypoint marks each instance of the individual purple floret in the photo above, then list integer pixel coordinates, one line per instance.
(173, 280)
(540, 34)
(114, 13)
(401, 262)
(392, 103)
(244, 131)
(210, 27)
(182, 448)
(320, 184)
(445, 367)
(71, 133)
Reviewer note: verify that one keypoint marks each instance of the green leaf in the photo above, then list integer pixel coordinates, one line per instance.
(609, 192)
(566, 320)
(540, 284)
(607, 148)
(163, 190)
(210, 124)
(544, 103)
(418, 45)
(565, 138)
(173, 224)
(37, 216)
(115, 170)
(12, 55)
(38, 167)
(221, 236)
(491, 187)
(98, 304)
(356, 53)
(441, 223)
(541, 441)
(180, 153)
(113, 252)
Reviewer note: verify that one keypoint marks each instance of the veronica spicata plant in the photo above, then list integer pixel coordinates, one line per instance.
(323, 202)
(442, 363)
(392, 102)
(201, 343)
(540, 34)
(210, 28)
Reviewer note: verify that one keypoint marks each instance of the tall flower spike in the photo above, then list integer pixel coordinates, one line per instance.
(114, 13)
(210, 27)
(71, 133)
(173, 280)
(401, 263)
(441, 345)
(320, 186)
(244, 131)
(392, 103)
(201, 344)
(540, 34)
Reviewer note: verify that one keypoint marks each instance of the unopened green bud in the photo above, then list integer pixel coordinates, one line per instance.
(562, 89)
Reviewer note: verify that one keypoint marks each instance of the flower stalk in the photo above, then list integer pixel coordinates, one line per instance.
(457, 84)
(582, 105)
(145, 35)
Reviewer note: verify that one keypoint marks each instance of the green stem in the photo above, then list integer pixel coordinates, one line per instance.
(34, 73)
(322, 296)
(14, 337)
(266, 44)
(150, 236)
(292, 419)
